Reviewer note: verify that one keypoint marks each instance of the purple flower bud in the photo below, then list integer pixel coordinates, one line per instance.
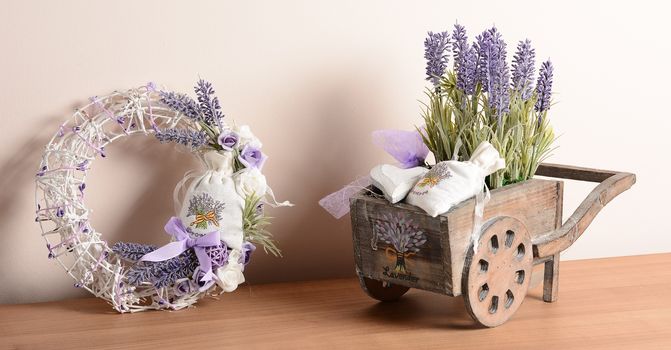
(60, 212)
(544, 87)
(523, 69)
(228, 140)
(83, 166)
(252, 157)
(435, 47)
(259, 209)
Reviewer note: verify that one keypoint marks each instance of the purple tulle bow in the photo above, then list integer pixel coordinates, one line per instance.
(405, 146)
(183, 242)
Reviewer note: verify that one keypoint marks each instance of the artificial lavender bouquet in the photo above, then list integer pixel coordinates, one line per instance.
(482, 99)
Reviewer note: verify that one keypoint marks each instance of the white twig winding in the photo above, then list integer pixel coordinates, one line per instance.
(63, 218)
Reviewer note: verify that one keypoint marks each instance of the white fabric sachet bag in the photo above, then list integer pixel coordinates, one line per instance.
(212, 203)
(450, 182)
(394, 182)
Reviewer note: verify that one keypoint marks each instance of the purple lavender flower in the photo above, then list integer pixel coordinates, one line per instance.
(252, 157)
(209, 104)
(181, 103)
(193, 139)
(247, 249)
(163, 273)
(83, 166)
(493, 54)
(544, 87)
(481, 45)
(132, 251)
(218, 254)
(460, 44)
(435, 47)
(523, 69)
(42, 171)
(467, 70)
(228, 140)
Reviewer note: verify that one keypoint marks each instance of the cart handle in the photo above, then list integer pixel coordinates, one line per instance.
(611, 184)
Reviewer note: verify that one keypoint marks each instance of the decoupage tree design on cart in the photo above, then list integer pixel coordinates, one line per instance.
(219, 216)
(402, 237)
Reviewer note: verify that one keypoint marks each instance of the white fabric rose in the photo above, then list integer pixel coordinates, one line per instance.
(250, 181)
(246, 137)
(230, 276)
(234, 256)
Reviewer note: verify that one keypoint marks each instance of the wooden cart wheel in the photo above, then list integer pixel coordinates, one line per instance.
(382, 291)
(497, 274)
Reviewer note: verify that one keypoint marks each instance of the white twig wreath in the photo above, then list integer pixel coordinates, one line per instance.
(212, 235)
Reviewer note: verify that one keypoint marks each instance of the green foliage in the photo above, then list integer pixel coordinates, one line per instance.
(456, 123)
(254, 226)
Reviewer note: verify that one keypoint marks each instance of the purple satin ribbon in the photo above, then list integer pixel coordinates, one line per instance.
(183, 242)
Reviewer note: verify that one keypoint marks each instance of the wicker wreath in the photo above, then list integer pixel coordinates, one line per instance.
(71, 239)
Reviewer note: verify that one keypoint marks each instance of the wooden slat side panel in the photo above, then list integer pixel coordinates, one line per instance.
(423, 268)
(533, 202)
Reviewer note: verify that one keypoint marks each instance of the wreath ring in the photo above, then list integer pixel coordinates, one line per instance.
(71, 239)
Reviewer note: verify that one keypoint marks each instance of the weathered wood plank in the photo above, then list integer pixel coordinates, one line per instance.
(573, 172)
(551, 279)
(378, 224)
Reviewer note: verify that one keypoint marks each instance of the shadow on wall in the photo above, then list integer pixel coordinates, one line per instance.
(336, 120)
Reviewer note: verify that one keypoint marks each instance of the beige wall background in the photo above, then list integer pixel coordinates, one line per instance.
(314, 79)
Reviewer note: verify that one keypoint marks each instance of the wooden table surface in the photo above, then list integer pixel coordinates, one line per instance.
(615, 303)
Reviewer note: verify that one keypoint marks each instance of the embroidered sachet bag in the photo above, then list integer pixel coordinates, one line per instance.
(450, 182)
(211, 202)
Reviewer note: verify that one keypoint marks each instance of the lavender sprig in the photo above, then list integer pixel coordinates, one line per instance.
(460, 45)
(435, 47)
(193, 139)
(181, 103)
(132, 251)
(523, 69)
(209, 104)
(497, 72)
(481, 46)
(164, 273)
(544, 87)
(467, 71)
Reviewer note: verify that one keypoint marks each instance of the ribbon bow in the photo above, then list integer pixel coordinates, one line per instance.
(204, 218)
(183, 242)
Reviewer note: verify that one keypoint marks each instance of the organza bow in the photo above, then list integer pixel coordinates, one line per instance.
(182, 243)
(407, 147)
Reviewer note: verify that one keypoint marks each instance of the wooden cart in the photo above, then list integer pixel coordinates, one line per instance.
(399, 246)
